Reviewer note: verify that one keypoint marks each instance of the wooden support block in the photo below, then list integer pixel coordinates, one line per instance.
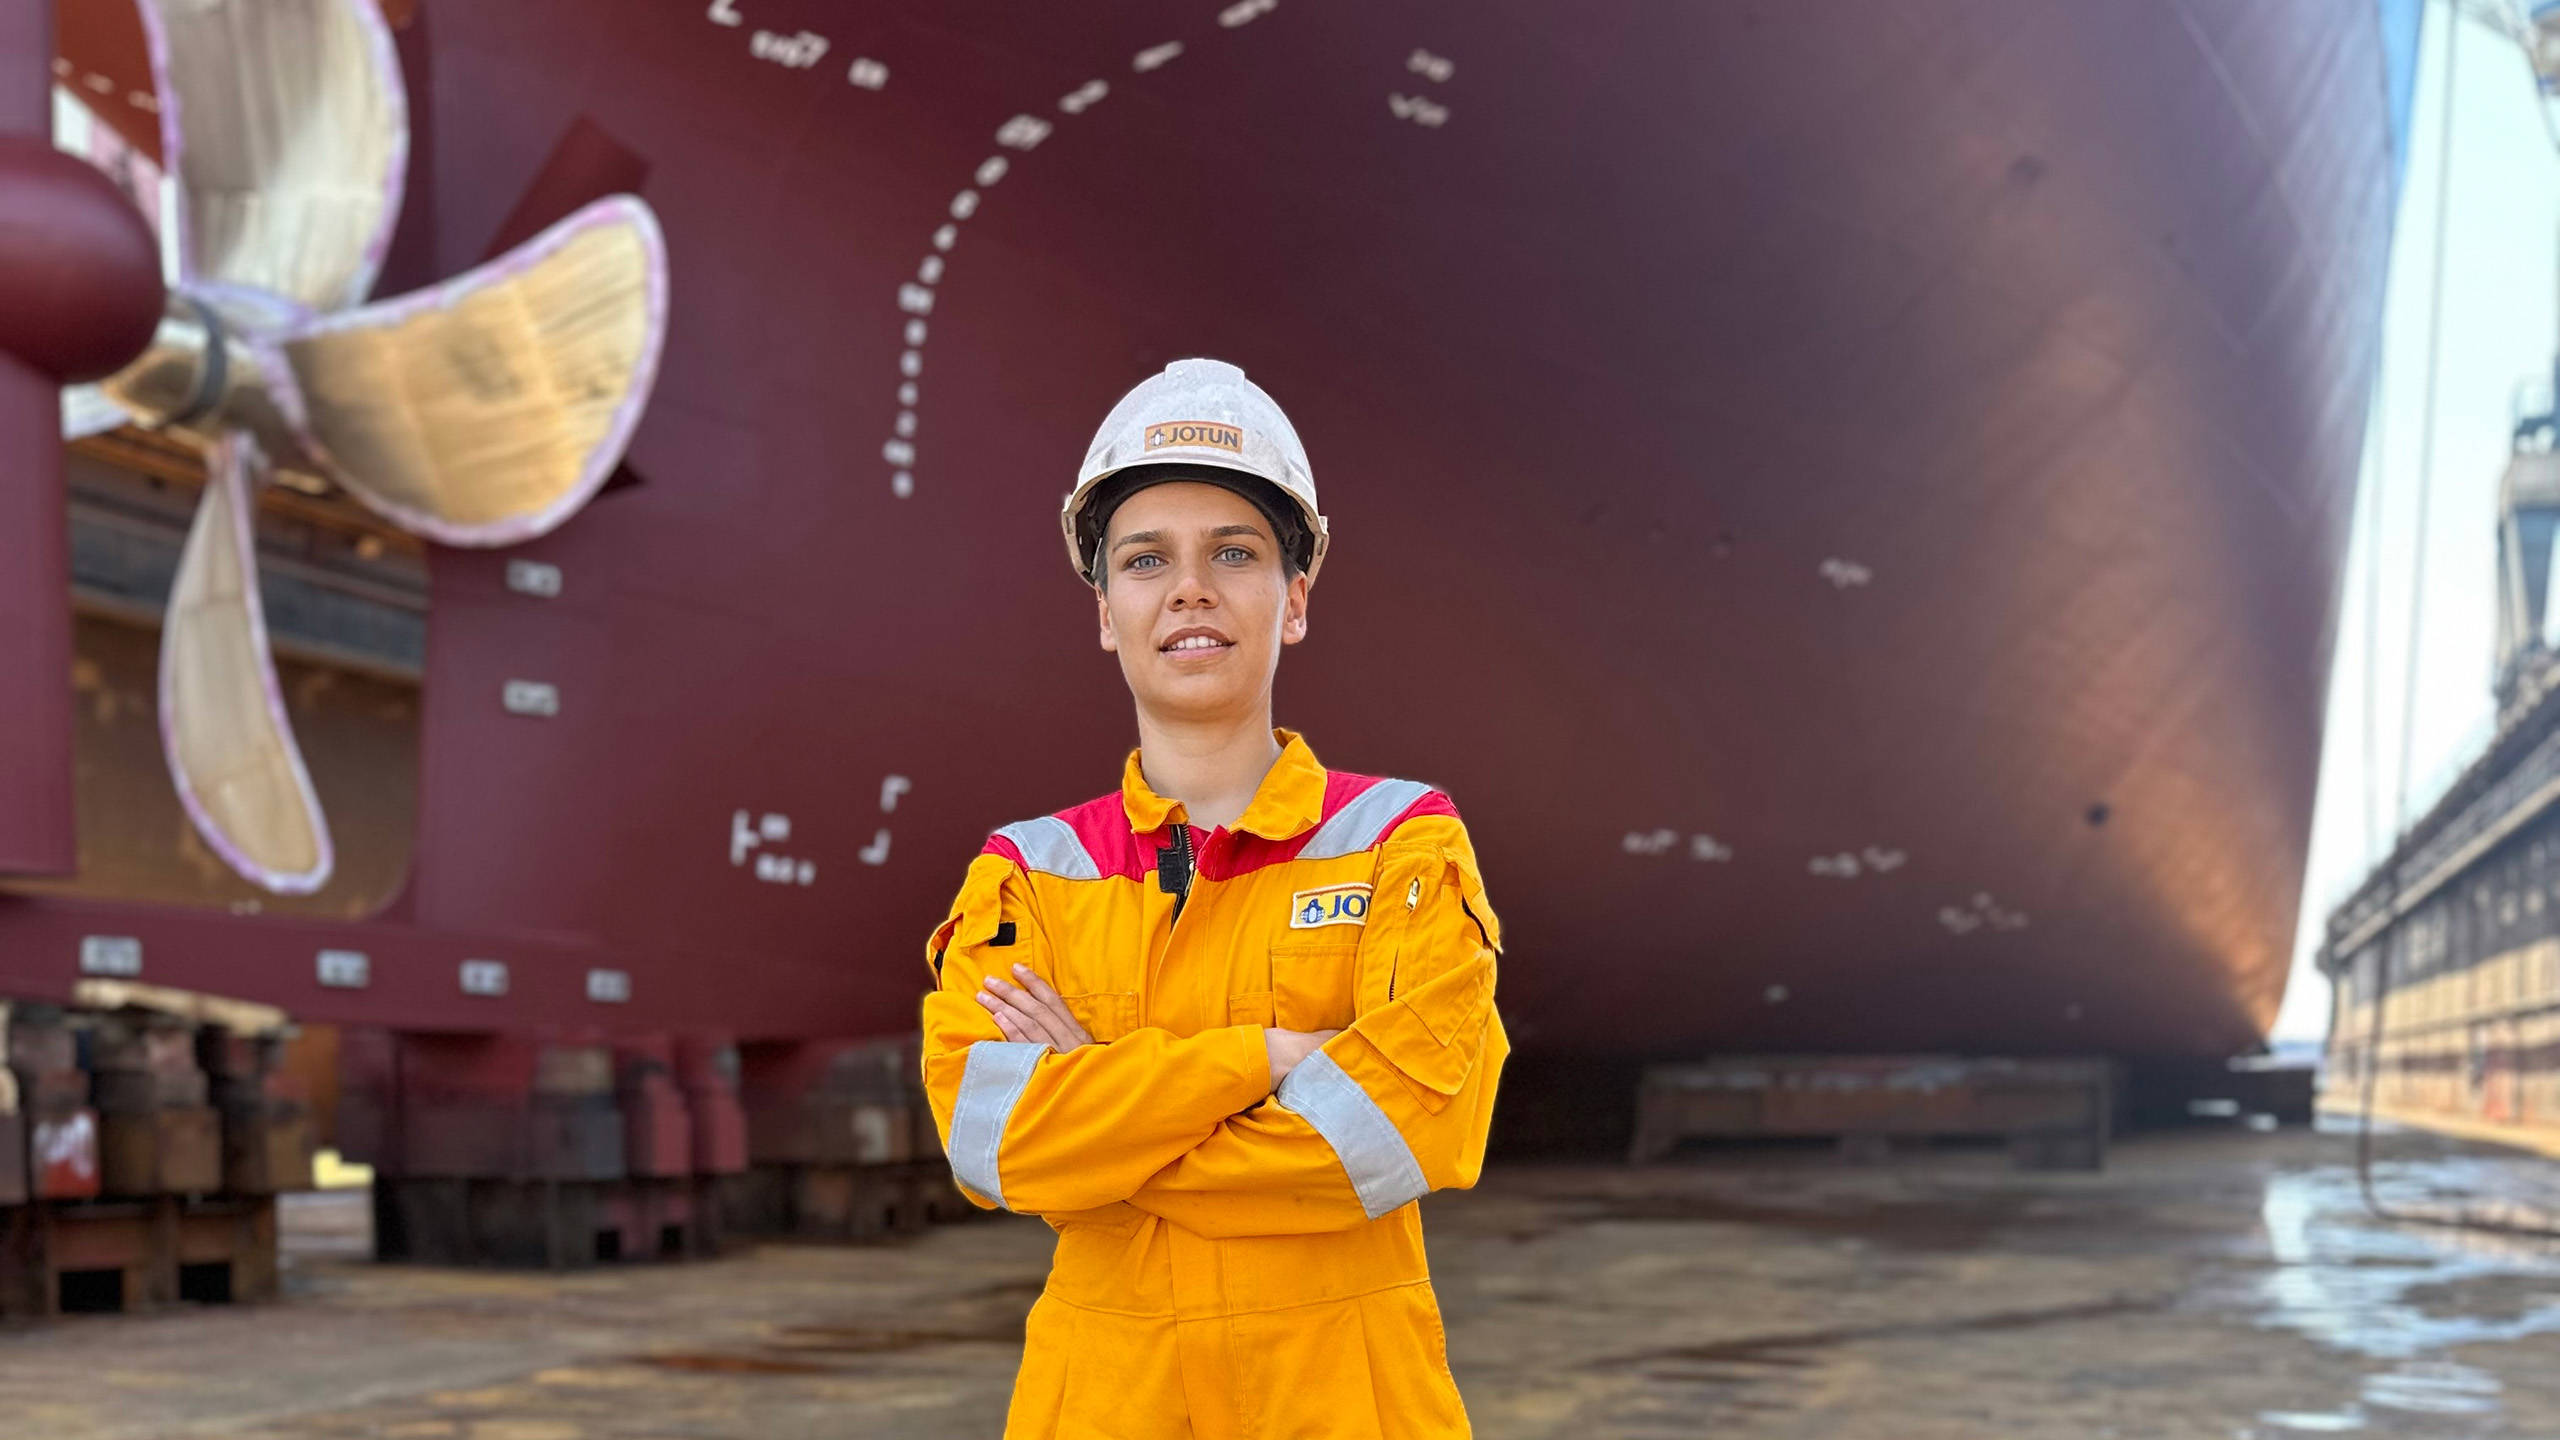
(237, 1235)
(709, 1236)
(861, 1202)
(22, 1287)
(233, 1055)
(40, 1039)
(162, 1152)
(943, 1203)
(660, 1219)
(131, 1240)
(719, 1128)
(427, 1220)
(842, 1202)
(822, 1203)
(13, 1159)
(2053, 1113)
(531, 1224)
(757, 1202)
(135, 1255)
(133, 1092)
(925, 1142)
(133, 1043)
(51, 1093)
(657, 1129)
(577, 1138)
(266, 1149)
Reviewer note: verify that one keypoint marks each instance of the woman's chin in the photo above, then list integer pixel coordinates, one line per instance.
(1199, 698)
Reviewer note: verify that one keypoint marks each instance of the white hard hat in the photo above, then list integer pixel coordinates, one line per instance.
(1198, 413)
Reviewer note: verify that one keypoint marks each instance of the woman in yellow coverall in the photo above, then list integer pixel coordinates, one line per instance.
(1222, 1027)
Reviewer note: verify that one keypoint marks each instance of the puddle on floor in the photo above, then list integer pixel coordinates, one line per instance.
(2435, 1387)
(2314, 1422)
(2345, 1278)
(2401, 1293)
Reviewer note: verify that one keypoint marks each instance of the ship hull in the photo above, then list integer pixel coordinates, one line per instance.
(1849, 499)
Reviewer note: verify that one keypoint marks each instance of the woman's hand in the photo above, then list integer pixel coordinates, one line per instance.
(1032, 1011)
(1286, 1048)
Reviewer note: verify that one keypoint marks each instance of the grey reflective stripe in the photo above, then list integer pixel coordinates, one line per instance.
(1373, 1153)
(1357, 826)
(1050, 844)
(989, 1086)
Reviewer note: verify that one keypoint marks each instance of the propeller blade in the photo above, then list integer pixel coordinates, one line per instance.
(586, 164)
(287, 126)
(222, 718)
(488, 409)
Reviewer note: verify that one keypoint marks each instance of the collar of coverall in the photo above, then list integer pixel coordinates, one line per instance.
(1289, 801)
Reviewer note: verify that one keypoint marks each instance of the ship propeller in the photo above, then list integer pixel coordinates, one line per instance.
(482, 411)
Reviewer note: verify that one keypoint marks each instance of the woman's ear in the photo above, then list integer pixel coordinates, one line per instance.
(1102, 616)
(1293, 615)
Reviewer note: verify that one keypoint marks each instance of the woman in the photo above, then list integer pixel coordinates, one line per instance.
(1222, 1027)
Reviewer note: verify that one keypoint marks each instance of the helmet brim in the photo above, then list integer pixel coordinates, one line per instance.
(1087, 513)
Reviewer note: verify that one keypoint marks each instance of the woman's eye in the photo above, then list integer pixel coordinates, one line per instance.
(1235, 552)
(1145, 562)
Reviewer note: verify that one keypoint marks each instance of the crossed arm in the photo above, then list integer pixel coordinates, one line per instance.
(1028, 1011)
(1239, 1130)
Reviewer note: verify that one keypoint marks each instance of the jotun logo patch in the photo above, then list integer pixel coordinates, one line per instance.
(1205, 433)
(1333, 905)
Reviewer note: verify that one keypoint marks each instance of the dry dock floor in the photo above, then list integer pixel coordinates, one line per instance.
(2213, 1284)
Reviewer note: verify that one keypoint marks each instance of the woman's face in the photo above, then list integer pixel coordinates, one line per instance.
(1196, 602)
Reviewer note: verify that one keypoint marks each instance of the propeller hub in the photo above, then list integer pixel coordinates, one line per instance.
(205, 370)
(80, 290)
(184, 374)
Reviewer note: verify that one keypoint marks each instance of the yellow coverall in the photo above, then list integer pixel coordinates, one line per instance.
(1230, 1262)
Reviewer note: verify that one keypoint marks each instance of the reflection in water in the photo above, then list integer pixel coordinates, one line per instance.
(2345, 1278)
(2359, 1284)
(2332, 1422)
(2435, 1387)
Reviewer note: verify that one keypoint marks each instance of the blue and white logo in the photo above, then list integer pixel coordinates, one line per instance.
(1333, 905)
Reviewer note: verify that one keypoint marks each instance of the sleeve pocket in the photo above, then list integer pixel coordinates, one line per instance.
(1435, 1066)
(1400, 898)
(1434, 922)
(1480, 910)
(1427, 970)
(972, 926)
(1451, 1008)
(939, 946)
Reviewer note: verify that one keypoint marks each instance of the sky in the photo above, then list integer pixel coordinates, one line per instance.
(2501, 323)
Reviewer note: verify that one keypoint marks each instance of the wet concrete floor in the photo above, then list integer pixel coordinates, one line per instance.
(2217, 1284)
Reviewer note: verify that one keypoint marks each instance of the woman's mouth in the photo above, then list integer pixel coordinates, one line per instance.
(1196, 642)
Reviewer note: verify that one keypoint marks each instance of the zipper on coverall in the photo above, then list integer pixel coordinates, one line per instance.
(1182, 849)
(1412, 900)
(1173, 877)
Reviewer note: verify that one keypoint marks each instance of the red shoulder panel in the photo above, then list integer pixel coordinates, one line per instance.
(1248, 853)
(1103, 825)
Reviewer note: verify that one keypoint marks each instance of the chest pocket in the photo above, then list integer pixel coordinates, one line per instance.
(1312, 985)
(1097, 976)
(1106, 1015)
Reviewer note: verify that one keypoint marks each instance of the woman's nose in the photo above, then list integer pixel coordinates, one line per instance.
(1191, 591)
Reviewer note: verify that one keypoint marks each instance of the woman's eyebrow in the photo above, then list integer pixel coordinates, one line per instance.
(1147, 537)
(1223, 531)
